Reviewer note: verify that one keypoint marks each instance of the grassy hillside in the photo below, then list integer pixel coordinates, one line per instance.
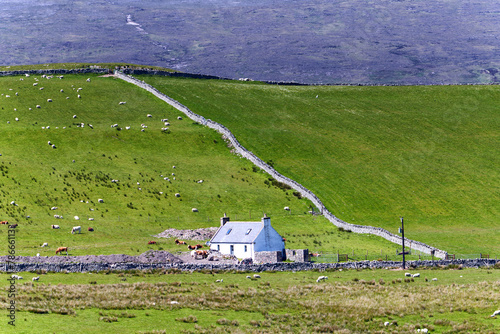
(373, 154)
(80, 170)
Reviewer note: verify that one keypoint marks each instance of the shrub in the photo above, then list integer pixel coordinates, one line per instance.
(191, 319)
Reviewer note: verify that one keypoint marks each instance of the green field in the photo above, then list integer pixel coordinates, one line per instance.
(373, 154)
(350, 301)
(38, 177)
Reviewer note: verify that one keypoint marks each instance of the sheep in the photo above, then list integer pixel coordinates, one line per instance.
(422, 330)
(53, 208)
(219, 280)
(179, 118)
(286, 208)
(249, 277)
(35, 278)
(91, 219)
(321, 278)
(167, 124)
(44, 244)
(74, 116)
(49, 100)
(35, 84)
(387, 323)
(173, 302)
(416, 275)
(194, 210)
(100, 200)
(62, 90)
(79, 96)
(149, 115)
(256, 276)
(164, 119)
(77, 218)
(49, 142)
(53, 146)
(200, 181)
(16, 119)
(407, 275)
(90, 126)
(37, 254)
(127, 127)
(177, 195)
(434, 279)
(88, 80)
(497, 312)
(122, 103)
(57, 216)
(41, 88)
(38, 106)
(114, 125)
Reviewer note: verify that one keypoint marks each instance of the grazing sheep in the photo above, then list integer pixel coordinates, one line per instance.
(179, 118)
(434, 279)
(79, 96)
(76, 229)
(497, 312)
(407, 275)
(127, 127)
(44, 244)
(90, 126)
(91, 219)
(422, 330)
(194, 210)
(256, 276)
(88, 80)
(387, 323)
(53, 208)
(74, 116)
(35, 84)
(219, 280)
(62, 90)
(149, 115)
(249, 277)
(90, 229)
(77, 218)
(16, 119)
(122, 103)
(177, 195)
(100, 200)
(49, 100)
(53, 146)
(55, 227)
(41, 88)
(416, 275)
(287, 208)
(173, 302)
(322, 278)
(35, 278)
(38, 106)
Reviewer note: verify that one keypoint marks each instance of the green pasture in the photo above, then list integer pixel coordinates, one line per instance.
(80, 170)
(373, 154)
(457, 301)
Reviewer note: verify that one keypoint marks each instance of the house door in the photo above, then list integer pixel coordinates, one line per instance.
(231, 249)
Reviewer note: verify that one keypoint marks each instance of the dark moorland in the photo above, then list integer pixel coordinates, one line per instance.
(314, 41)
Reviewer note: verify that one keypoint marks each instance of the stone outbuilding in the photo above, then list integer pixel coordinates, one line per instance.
(245, 239)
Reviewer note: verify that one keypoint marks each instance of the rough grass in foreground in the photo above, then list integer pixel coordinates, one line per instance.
(460, 301)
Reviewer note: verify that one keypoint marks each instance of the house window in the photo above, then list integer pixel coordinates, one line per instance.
(248, 231)
(218, 248)
(229, 231)
(231, 249)
(245, 248)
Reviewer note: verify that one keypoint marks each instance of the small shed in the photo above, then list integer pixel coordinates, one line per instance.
(244, 239)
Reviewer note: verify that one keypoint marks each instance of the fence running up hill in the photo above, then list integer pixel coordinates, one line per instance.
(417, 245)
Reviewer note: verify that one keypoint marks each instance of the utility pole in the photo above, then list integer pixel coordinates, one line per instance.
(403, 236)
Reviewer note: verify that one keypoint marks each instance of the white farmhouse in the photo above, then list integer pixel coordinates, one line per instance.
(244, 239)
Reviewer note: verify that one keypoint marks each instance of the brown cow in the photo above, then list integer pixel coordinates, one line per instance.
(198, 246)
(62, 249)
(178, 242)
(202, 253)
(191, 247)
(90, 229)
(151, 242)
(4, 222)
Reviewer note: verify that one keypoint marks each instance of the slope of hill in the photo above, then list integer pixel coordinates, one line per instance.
(373, 154)
(86, 160)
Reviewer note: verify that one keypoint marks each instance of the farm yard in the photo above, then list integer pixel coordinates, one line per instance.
(350, 301)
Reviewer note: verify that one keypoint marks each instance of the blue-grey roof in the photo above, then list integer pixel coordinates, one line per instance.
(239, 232)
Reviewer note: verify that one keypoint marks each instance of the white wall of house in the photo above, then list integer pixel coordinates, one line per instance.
(241, 251)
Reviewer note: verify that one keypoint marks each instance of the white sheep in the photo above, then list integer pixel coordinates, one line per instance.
(79, 96)
(122, 103)
(219, 280)
(49, 100)
(45, 244)
(38, 106)
(100, 200)
(286, 208)
(256, 276)
(194, 209)
(35, 278)
(407, 274)
(91, 219)
(321, 278)
(53, 208)
(497, 312)
(74, 116)
(249, 277)
(77, 218)
(179, 118)
(416, 275)
(149, 115)
(88, 80)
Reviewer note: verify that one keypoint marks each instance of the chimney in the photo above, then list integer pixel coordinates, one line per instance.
(224, 220)
(266, 221)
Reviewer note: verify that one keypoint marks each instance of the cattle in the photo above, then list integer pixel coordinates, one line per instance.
(179, 242)
(13, 225)
(191, 247)
(151, 242)
(62, 249)
(4, 222)
(76, 229)
(55, 227)
(198, 246)
(203, 254)
(322, 278)
(90, 229)
(44, 244)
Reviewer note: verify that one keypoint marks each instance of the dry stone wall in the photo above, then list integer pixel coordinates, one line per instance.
(279, 266)
(283, 179)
